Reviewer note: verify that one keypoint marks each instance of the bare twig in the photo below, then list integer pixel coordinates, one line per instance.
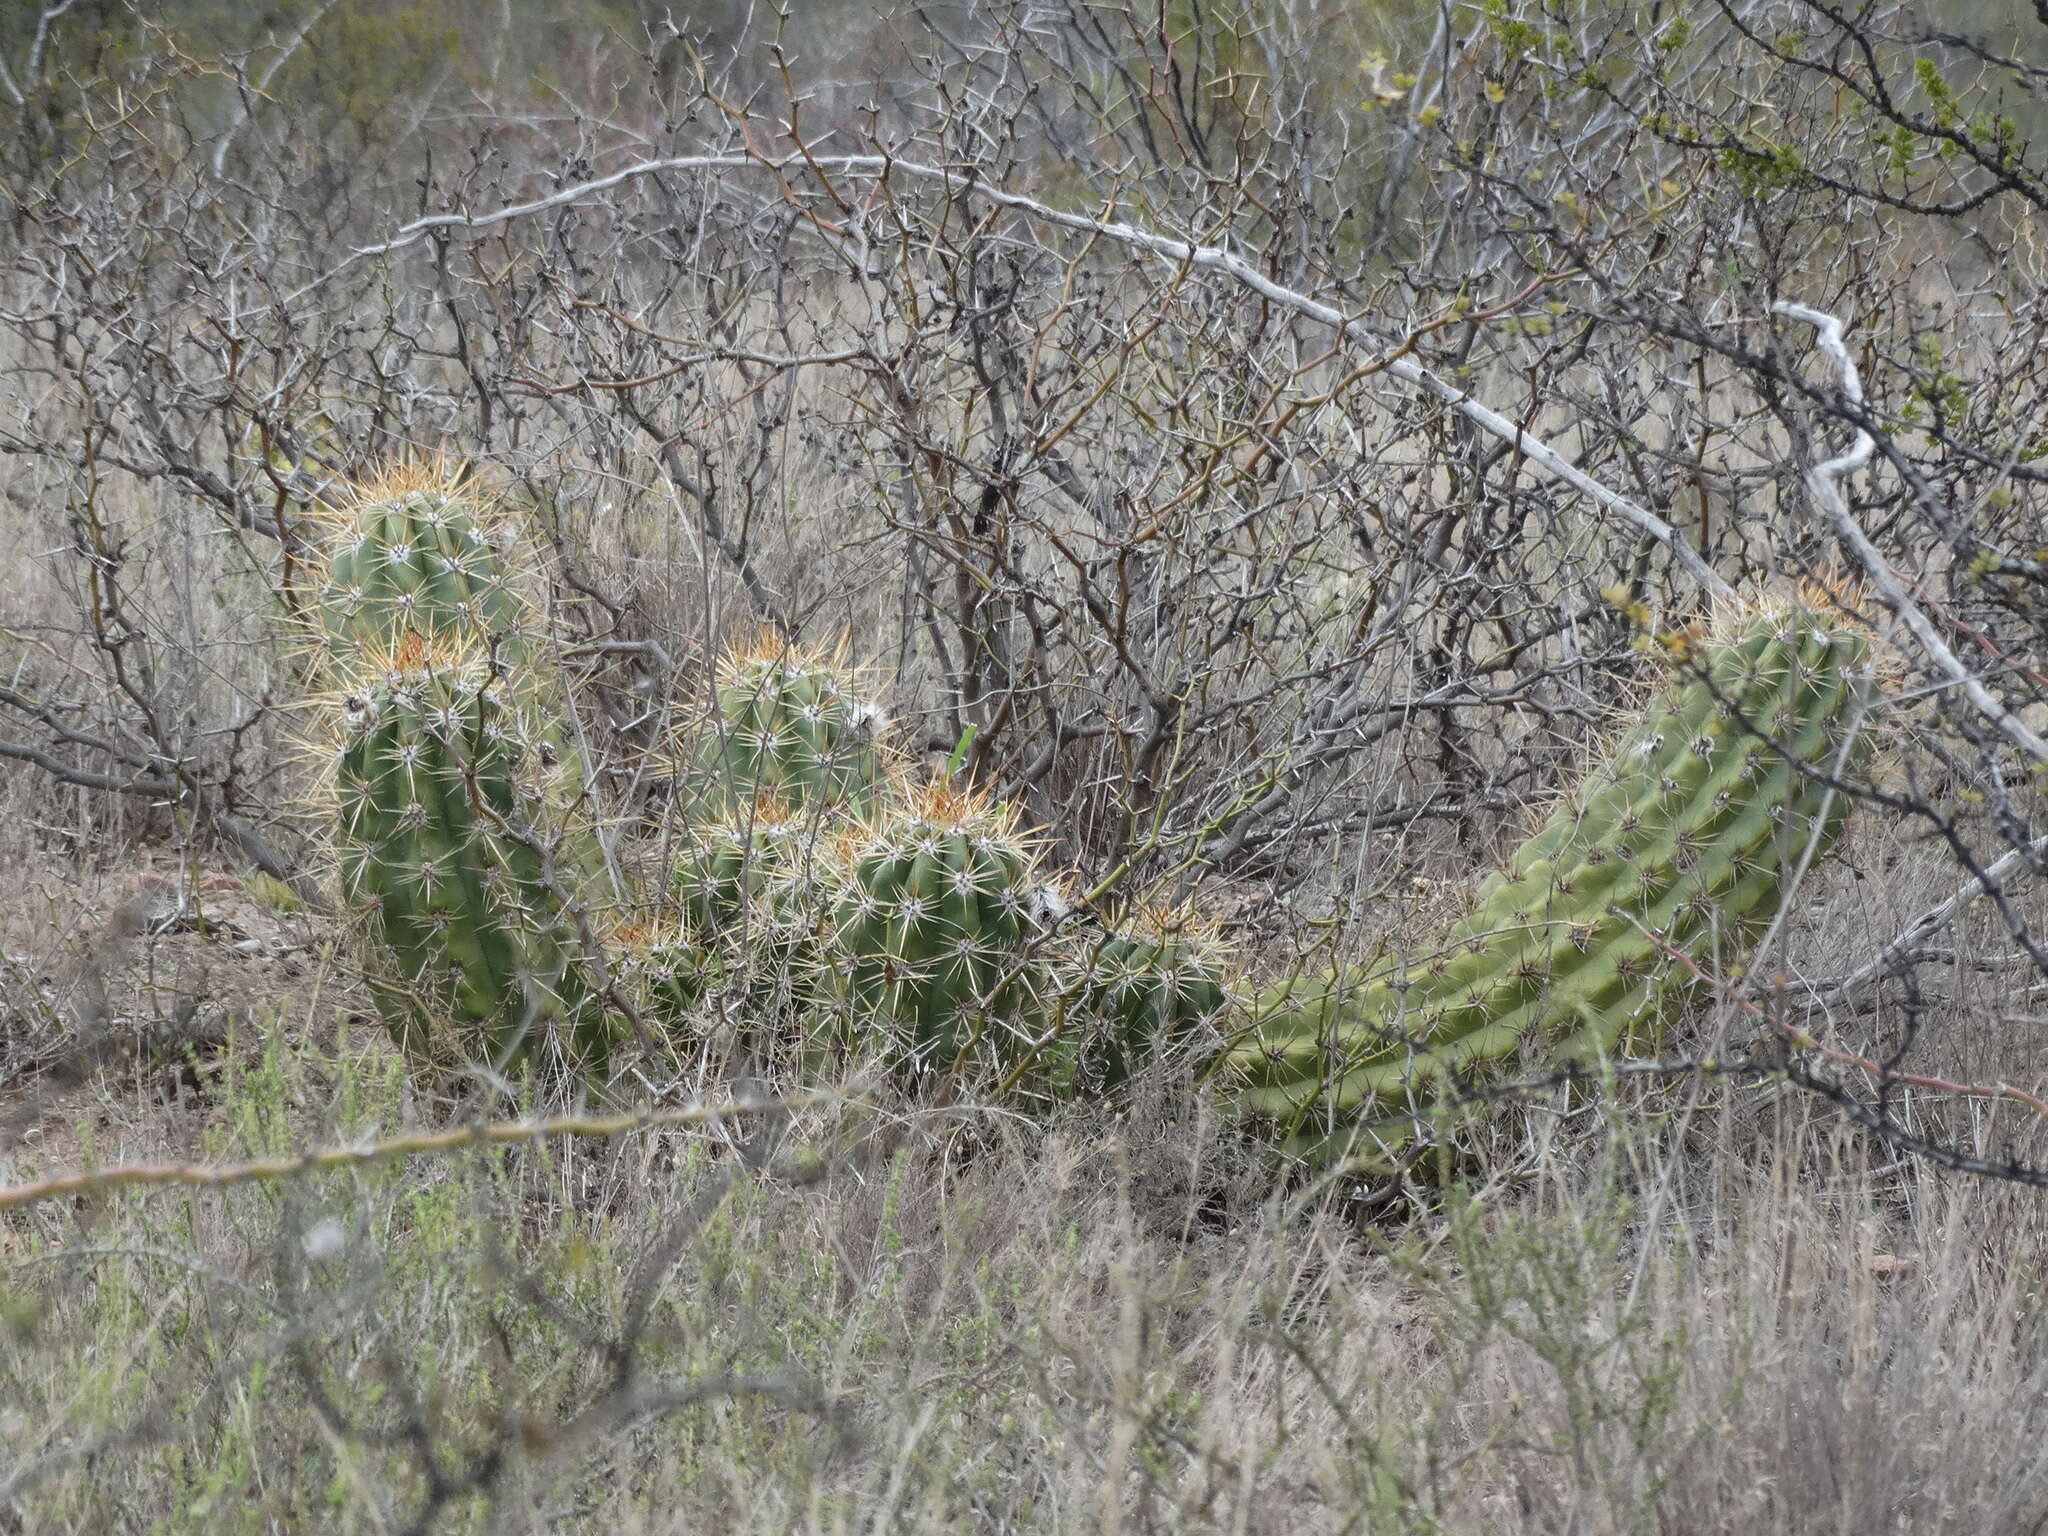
(1825, 481)
(412, 1144)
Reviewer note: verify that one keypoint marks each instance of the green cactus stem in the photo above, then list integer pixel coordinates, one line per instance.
(413, 553)
(749, 909)
(1149, 981)
(938, 905)
(665, 967)
(791, 723)
(447, 791)
(1667, 861)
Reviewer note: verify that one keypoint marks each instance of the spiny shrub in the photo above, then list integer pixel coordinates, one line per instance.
(1665, 863)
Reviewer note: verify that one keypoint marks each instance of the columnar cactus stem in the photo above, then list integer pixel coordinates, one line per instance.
(746, 914)
(1149, 980)
(1677, 848)
(445, 791)
(414, 553)
(453, 777)
(791, 723)
(938, 903)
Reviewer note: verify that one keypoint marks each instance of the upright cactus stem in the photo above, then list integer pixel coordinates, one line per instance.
(937, 904)
(747, 912)
(453, 777)
(447, 794)
(1149, 980)
(791, 723)
(414, 553)
(1666, 862)
(739, 863)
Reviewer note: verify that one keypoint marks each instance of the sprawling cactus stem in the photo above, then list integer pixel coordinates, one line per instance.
(415, 553)
(1150, 979)
(1667, 860)
(937, 906)
(792, 723)
(448, 791)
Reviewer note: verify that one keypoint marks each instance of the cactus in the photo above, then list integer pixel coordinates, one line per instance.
(749, 911)
(1668, 859)
(1150, 979)
(439, 771)
(791, 723)
(664, 966)
(449, 754)
(938, 904)
(414, 553)
(736, 863)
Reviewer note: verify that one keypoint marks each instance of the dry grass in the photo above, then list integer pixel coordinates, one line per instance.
(1697, 1308)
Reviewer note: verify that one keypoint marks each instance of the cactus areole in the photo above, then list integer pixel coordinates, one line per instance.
(1663, 866)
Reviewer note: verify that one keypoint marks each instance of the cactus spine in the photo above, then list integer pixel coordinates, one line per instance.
(1669, 856)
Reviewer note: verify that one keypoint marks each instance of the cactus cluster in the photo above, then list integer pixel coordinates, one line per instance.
(820, 894)
(1662, 866)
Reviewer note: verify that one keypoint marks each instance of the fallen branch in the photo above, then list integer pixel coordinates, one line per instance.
(355, 1154)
